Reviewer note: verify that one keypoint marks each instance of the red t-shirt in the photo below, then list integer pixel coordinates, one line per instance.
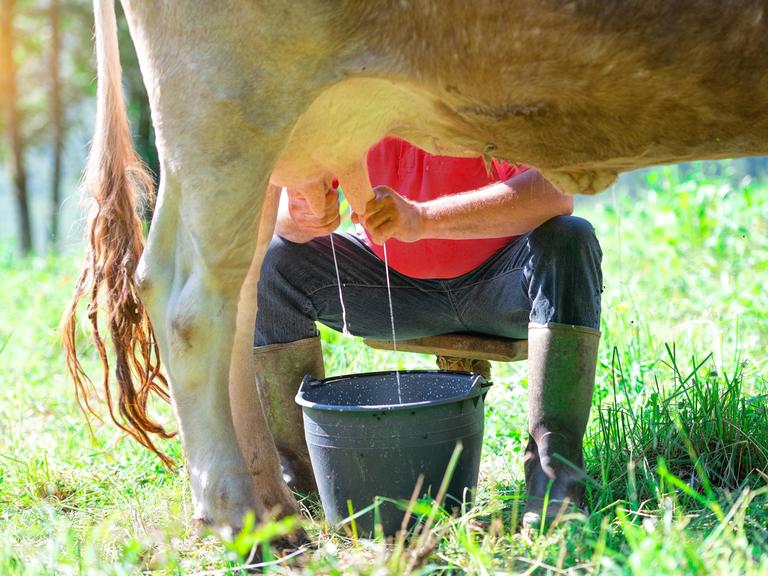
(420, 176)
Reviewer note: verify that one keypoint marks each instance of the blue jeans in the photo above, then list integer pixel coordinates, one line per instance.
(551, 274)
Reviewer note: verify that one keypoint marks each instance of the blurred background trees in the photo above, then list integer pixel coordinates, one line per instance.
(47, 104)
(47, 93)
(12, 120)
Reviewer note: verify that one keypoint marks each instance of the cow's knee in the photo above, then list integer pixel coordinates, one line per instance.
(151, 283)
(201, 308)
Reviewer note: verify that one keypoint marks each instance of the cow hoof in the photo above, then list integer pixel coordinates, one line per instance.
(278, 501)
(291, 542)
(280, 548)
(225, 501)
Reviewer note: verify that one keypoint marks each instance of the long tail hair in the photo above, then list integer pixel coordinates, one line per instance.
(114, 179)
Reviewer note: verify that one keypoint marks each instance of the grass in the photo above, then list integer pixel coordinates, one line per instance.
(677, 447)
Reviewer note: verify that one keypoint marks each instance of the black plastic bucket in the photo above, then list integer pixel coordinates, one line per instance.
(364, 442)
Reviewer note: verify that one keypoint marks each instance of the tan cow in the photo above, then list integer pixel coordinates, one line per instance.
(244, 91)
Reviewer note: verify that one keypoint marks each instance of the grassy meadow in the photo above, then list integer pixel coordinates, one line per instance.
(677, 449)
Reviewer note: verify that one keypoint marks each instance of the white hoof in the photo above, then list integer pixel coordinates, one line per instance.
(223, 501)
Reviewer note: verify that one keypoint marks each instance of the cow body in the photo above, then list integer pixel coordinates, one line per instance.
(252, 96)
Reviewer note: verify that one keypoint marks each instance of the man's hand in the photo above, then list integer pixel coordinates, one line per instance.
(389, 215)
(310, 223)
(515, 206)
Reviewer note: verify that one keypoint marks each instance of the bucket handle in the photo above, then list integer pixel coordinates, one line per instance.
(308, 381)
(482, 383)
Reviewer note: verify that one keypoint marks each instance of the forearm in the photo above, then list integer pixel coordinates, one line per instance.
(509, 208)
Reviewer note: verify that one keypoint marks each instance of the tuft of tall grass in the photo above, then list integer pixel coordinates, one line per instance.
(702, 423)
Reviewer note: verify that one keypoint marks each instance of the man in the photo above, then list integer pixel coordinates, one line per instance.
(469, 251)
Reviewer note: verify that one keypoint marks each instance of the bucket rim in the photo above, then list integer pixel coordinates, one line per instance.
(478, 387)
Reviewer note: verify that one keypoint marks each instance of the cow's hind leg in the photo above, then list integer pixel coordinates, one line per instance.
(200, 248)
(251, 425)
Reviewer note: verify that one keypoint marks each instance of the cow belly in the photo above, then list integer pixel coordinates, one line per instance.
(333, 135)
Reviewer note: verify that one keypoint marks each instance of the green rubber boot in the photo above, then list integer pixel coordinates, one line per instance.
(561, 376)
(279, 371)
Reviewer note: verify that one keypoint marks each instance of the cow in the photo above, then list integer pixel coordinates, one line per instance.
(251, 96)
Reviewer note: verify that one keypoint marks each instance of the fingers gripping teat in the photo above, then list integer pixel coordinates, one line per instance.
(356, 185)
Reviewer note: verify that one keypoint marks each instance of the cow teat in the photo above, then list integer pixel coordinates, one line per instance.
(356, 186)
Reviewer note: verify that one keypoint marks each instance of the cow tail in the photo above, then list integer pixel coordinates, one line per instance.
(114, 181)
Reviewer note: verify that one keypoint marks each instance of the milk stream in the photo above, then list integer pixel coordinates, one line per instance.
(392, 320)
(345, 329)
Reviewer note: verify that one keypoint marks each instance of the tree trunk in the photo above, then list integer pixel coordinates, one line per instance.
(9, 95)
(57, 120)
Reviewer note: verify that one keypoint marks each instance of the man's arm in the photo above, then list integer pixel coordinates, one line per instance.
(508, 208)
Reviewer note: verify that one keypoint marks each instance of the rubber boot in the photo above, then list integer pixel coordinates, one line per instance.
(279, 370)
(561, 376)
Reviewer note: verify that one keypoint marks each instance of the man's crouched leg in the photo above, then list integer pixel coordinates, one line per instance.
(286, 348)
(565, 282)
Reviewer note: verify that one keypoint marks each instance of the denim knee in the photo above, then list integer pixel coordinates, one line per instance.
(284, 311)
(564, 273)
(278, 252)
(565, 237)
(274, 268)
